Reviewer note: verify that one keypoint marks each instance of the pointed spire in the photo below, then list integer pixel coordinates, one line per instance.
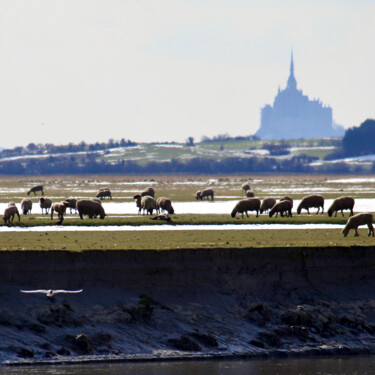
(291, 63)
(292, 83)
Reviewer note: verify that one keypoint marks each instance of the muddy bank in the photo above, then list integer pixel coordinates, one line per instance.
(187, 303)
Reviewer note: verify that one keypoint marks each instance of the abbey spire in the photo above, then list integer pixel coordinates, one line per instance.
(292, 83)
(293, 115)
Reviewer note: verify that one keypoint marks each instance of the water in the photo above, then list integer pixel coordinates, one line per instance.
(224, 207)
(166, 227)
(318, 366)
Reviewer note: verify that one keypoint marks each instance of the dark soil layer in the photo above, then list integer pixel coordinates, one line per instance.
(187, 303)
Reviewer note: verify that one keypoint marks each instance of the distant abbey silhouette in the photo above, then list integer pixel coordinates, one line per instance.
(293, 115)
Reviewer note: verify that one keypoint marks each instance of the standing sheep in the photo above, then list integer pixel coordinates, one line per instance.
(45, 203)
(249, 194)
(26, 205)
(9, 213)
(311, 201)
(355, 221)
(90, 208)
(267, 204)
(340, 204)
(104, 192)
(36, 188)
(60, 208)
(244, 205)
(282, 206)
(138, 199)
(207, 193)
(148, 191)
(148, 204)
(164, 204)
(245, 187)
(72, 204)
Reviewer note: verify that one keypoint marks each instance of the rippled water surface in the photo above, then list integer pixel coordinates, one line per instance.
(318, 366)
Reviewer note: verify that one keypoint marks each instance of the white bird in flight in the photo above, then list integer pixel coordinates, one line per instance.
(51, 292)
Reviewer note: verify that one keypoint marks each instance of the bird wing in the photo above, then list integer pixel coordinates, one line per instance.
(67, 291)
(35, 291)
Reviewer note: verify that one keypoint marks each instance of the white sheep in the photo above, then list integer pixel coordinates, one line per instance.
(360, 219)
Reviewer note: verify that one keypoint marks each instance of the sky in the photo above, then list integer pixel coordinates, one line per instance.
(166, 70)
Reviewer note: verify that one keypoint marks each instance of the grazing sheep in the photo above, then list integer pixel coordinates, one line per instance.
(355, 221)
(26, 205)
(72, 204)
(45, 203)
(244, 205)
(249, 194)
(138, 199)
(245, 187)
(148, 204)
(148, 191)
(9, 213)
(90, 208)
(267, 204)
(205, 193)
(282, 206)
(60, 208)
(164, 204)
(286, 198)
(311, 201)
(104, 192)
(36, 188)
(340, 204)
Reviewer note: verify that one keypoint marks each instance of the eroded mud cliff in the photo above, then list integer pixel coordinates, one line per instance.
(186, 303)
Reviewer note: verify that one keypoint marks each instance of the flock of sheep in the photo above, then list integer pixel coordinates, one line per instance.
(285, 205)
(146, 202)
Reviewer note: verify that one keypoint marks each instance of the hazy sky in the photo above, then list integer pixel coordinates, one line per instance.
(74, 70)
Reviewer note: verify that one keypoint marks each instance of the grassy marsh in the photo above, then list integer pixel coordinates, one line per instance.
(161, 240)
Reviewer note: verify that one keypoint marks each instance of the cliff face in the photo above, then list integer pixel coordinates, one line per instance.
(222, 270)
(209, 302)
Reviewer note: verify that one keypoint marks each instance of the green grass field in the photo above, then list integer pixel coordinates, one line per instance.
(166, 240)
(181, 189)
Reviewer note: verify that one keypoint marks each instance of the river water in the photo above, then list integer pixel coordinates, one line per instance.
(360, 365)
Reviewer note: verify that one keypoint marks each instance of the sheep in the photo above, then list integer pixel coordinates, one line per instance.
(164, 204)
(45, 203)
(267, 204)
(60, 208)
(26, 205)
(148, 191)
(340, 204)
(148, 204)
(90, 208)
(36, 188)
(138, 199)
(249, 194)
(200, 194)
(98, 200)
(355, 221)
(104, 192)
(9, 213)
(164, 217)
(286, 198)
(72, 204)
(311, 201)
(244, 205)
(282, 206)
(245, 187)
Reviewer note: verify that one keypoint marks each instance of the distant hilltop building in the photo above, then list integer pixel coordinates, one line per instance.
(293, 115)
